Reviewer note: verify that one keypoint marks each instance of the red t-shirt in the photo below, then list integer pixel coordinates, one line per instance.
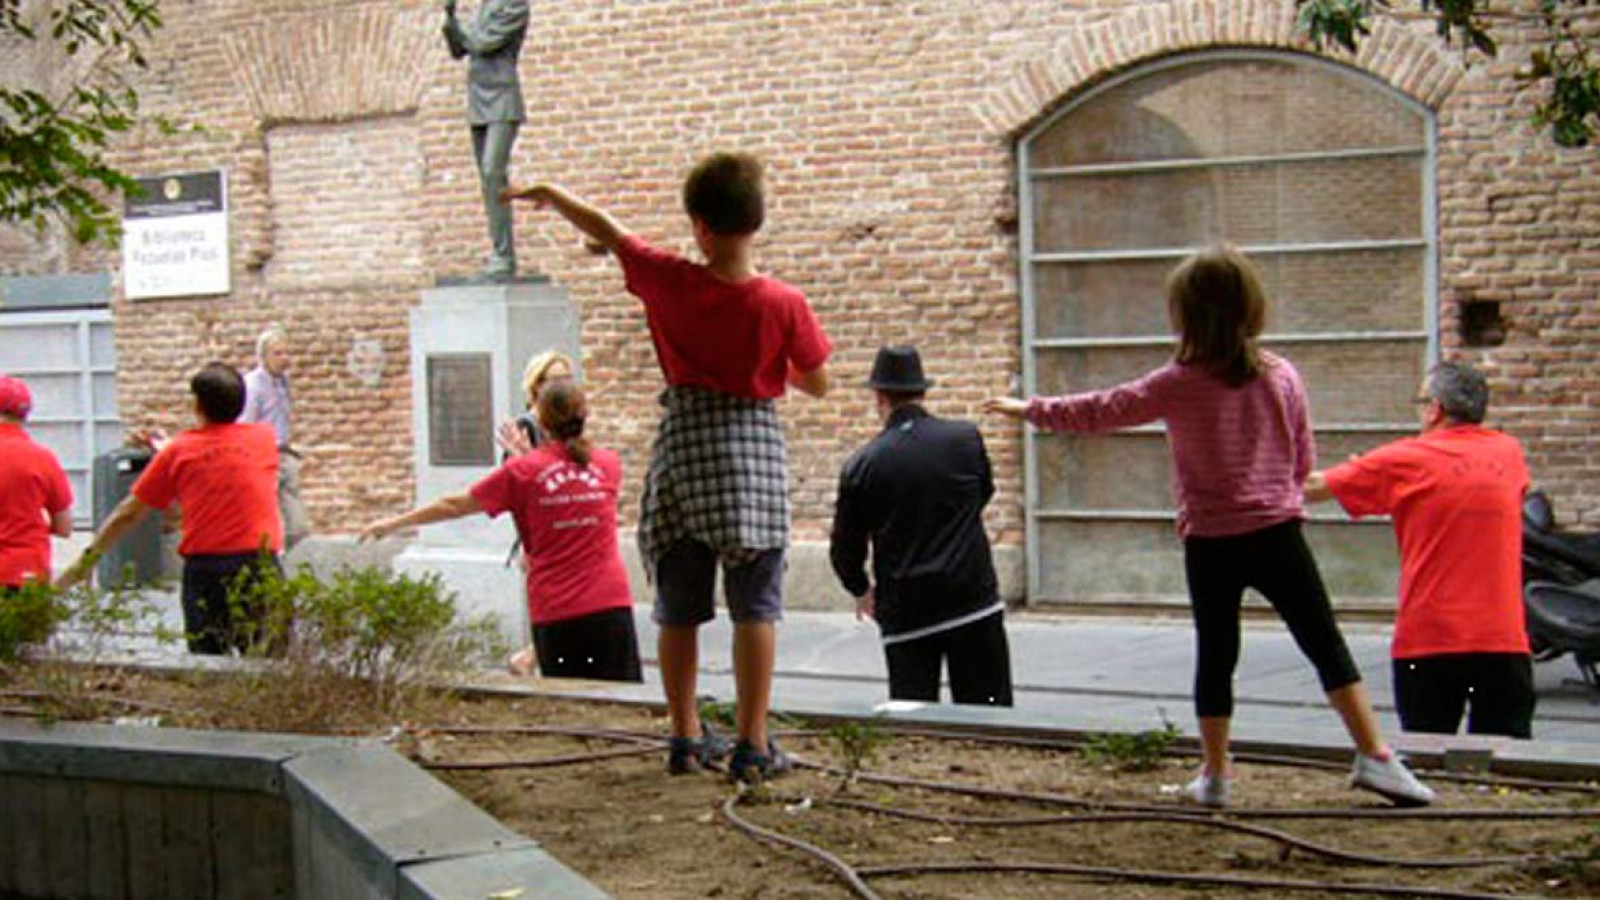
(225, 477)
(737, 339)
(1456, 497)
(32, 487)
(566, 516)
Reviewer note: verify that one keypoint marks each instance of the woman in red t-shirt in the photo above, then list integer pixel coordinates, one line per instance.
(563, 497)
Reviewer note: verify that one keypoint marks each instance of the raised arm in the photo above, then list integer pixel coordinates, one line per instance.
(599, 227)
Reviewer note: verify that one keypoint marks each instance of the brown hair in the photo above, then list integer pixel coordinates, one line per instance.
(562, 411)
(724, 192)
(1217, 306)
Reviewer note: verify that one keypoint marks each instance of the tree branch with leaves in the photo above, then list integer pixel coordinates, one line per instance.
(53, 142)
(1563, 65)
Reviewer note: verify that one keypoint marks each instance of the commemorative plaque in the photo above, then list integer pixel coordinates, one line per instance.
(460, 410)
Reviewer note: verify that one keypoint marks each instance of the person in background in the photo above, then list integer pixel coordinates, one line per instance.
(224, 474)
(269, 401)
(1455, 497)
(730, 341)
(35, 496)
(915, 494)
(521, 435)
(1239, 428)
(562, 496)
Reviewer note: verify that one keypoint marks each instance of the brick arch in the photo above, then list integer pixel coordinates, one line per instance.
(331, 66)
(1412, 63)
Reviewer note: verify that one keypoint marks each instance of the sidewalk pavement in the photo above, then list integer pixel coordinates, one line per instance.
(1130, 674)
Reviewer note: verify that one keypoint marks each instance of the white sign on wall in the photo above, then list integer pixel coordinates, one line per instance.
(175, 237)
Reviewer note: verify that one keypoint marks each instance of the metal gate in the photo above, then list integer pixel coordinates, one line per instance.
(69, 360)
(1325, 177)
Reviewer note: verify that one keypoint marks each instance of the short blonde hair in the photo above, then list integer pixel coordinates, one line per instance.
(273, 335)
(538, 369)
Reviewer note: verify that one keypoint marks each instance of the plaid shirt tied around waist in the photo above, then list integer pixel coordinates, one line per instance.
(718, 475)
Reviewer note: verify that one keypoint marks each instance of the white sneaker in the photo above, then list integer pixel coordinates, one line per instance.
(1391, 778)
(1208, 790)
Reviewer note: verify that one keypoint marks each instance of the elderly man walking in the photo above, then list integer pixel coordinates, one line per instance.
(915, 494)
(268, 401)
(1455, 495)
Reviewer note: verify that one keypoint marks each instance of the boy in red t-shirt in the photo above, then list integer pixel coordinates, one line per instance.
(35, 497)
(1455, 495)
(225, 477)
(562, 495)
(729, 340)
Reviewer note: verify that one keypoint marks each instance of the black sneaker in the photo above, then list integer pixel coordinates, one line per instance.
(750, 767)
(685, 755)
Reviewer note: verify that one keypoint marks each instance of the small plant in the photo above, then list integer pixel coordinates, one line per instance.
(29, 616)
(856, 744)
(1141, 751)
(719, 712)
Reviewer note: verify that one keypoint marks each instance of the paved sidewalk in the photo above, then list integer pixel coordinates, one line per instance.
(1129, 672)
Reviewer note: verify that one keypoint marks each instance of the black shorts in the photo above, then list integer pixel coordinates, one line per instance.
(1432, 692)
(602, 646)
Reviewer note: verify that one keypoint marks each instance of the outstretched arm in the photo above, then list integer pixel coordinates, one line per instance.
(124, 517)
(1316, 488)
(599, 227)
(443, 509)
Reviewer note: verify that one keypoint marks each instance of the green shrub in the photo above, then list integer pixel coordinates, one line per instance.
(29, 617)
(364, 637)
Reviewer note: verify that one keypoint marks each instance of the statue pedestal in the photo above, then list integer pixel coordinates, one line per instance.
(469, 344)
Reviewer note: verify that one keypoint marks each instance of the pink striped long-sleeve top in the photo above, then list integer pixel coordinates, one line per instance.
(1239, 454)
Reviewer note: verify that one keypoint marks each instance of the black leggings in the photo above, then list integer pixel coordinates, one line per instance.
(1276, 562)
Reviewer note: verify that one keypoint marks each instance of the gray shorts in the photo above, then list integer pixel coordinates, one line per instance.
(686, 584)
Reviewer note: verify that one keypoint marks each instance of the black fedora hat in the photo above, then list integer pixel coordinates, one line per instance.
(898, 369)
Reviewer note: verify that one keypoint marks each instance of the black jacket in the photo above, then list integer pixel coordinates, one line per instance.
(917, 493)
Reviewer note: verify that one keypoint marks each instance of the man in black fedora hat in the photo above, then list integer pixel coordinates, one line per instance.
(915, 494)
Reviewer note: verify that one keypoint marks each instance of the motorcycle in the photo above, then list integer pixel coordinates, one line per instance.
(1561, 589)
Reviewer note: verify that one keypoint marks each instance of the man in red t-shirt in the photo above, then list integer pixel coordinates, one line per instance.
(224, 475)
(730, 340)
(1455, 495)
(562, 495)
(35, 498)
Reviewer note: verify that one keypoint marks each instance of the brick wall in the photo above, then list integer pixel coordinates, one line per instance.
(888, 129)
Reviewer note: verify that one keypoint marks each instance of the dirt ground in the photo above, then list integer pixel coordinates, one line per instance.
(639, 833)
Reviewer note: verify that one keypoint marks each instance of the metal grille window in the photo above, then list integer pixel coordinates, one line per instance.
(1324, 177)
(69, 360)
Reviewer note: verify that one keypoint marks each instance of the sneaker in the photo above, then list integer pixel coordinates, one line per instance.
(750, 767)
(685, 755)
(1391, 778)
(1209, 790)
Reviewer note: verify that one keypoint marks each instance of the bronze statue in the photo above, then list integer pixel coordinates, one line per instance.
(494, 109)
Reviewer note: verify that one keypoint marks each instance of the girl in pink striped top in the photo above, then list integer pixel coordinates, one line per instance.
(1240, 433)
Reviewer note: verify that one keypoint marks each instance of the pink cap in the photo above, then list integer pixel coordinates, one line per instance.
(15, 400)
